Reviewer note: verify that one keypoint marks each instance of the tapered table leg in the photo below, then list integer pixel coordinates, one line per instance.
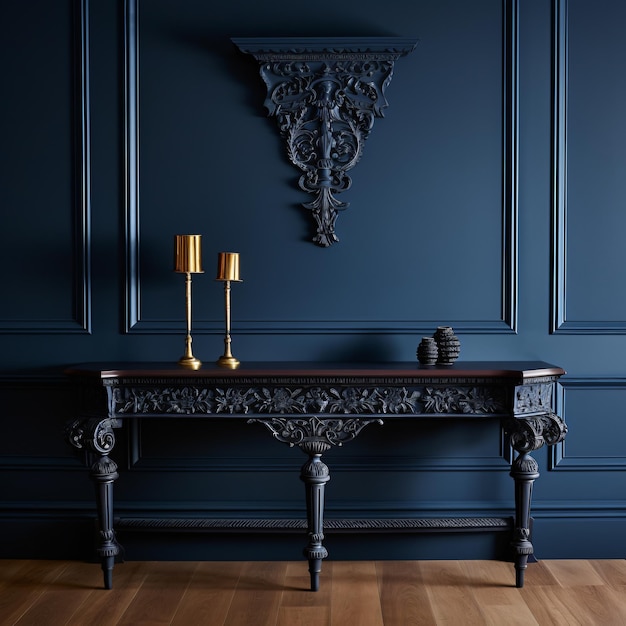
(314, 436)
(528, 432)
(524, 471)
(104, 473)
(315, 475)
(96, 438)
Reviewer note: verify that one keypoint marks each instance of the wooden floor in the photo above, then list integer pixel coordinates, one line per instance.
(356, 593)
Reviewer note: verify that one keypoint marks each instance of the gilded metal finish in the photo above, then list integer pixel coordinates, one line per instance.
(188, 359)
(228, 266)
(188, 254)
(188, 260)
(227, 272)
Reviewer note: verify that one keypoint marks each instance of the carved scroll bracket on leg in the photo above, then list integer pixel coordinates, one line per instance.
(97, 439)
(528, 433)
(314, 436)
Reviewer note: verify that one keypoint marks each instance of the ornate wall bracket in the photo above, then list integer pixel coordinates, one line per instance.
(325, 94)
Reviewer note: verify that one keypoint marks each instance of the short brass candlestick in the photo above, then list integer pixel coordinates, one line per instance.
(227, 272)
(188, 261)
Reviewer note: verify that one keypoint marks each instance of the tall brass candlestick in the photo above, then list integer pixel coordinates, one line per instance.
(188, 261)
(227, 272)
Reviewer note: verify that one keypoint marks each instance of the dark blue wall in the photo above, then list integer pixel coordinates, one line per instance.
(489, 197)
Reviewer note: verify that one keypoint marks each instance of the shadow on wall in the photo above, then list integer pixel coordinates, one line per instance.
(362, 349)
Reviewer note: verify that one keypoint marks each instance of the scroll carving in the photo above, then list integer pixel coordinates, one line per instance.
(312, 434)
(530, 433)
(93, 435)
(325, 95)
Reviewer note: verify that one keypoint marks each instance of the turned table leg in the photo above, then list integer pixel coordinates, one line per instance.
(96, 437)
(528, 433)
(524, 471)
(104, 473)
(315, 475)
(314, 436)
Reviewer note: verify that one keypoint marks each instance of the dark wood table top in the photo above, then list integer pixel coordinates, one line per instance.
(408, 369)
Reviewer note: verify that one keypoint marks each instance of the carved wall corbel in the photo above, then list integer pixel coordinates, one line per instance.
(325, 94)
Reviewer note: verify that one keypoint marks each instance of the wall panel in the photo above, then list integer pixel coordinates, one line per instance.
(180, 134)
(589, 162)
(45, 170)
(594, 409)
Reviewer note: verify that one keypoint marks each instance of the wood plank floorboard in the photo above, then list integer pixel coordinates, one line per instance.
(352, 593)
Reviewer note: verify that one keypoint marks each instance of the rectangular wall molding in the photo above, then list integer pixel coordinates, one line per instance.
(135, 319)
(80, 323)
(561, 322)
(559, 459)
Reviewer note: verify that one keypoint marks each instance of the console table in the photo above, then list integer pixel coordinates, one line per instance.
(316, 406)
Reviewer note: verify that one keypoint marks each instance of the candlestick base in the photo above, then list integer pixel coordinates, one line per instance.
(229, 362)
(190, 362)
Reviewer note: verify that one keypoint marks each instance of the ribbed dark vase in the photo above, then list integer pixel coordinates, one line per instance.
(448, 345)
(427, 351)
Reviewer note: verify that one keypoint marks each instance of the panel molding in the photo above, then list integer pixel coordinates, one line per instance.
(559, 165)
(81, 321)
(559, 322)
(132, 294)
(558, 459)
(507, 323)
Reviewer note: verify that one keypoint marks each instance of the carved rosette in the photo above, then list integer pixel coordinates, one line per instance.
(325, 95)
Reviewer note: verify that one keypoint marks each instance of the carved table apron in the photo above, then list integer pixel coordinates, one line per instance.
(314, 407)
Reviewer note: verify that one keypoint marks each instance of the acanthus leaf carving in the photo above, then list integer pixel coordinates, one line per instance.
(323, 399)
(325, 95)
(531, 432)
(322, 433)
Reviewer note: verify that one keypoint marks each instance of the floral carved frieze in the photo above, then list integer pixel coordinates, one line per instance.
(533, 398)
(325, 94)
(313, 399)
